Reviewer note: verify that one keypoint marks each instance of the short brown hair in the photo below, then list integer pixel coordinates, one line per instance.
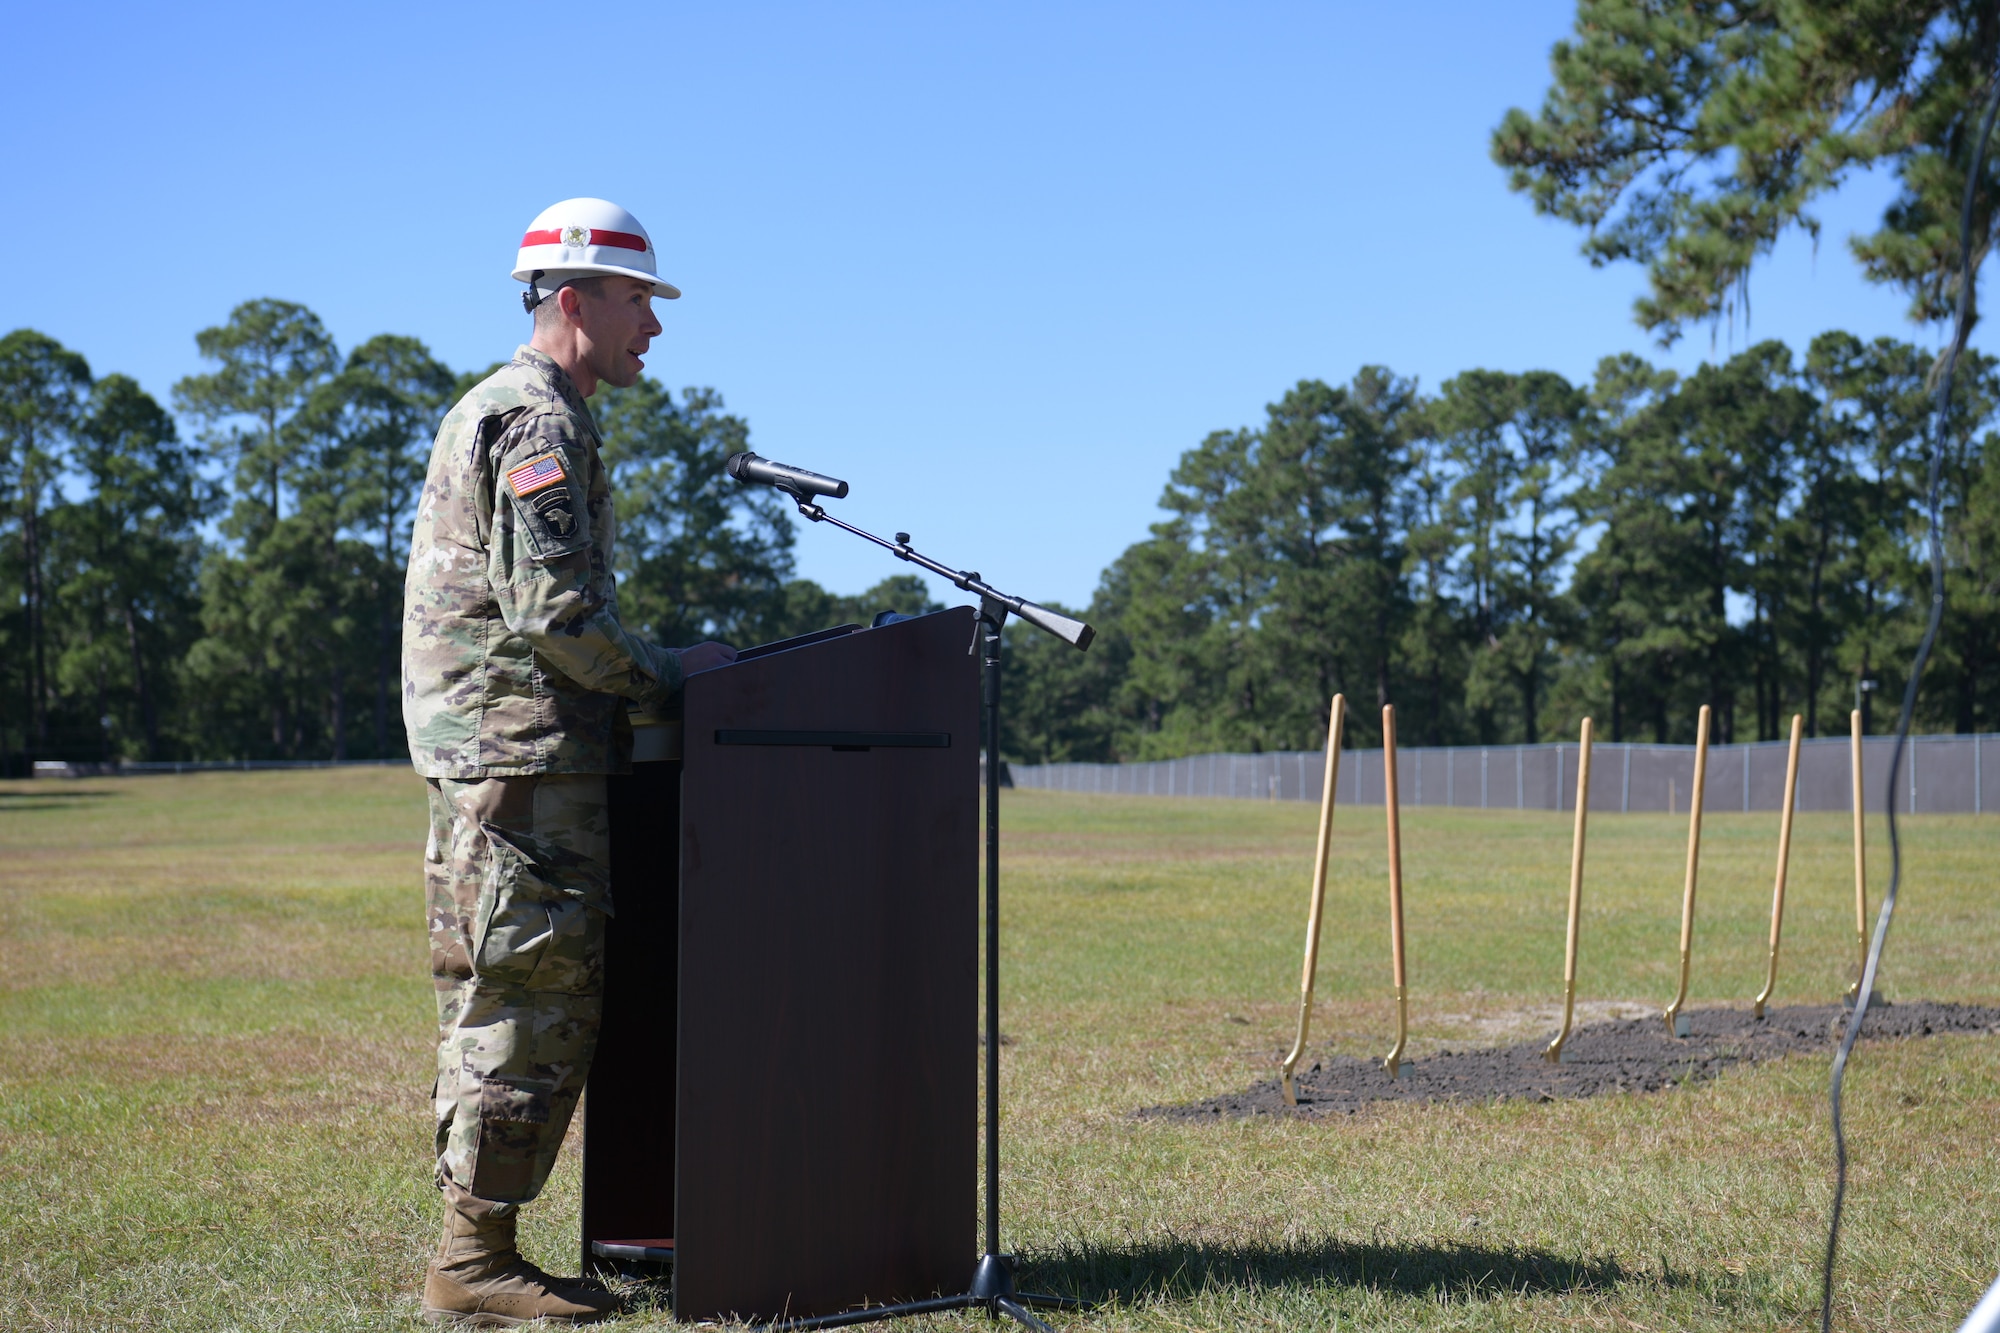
(547, 312)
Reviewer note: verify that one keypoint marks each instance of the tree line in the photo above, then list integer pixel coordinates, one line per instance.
(1513, 552)
(1497, 558)
(236, 591)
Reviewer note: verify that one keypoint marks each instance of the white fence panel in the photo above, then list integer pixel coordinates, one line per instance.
(1941, 775)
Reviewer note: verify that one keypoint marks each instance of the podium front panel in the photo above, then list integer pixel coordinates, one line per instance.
(826, 1096)
(628, 1108)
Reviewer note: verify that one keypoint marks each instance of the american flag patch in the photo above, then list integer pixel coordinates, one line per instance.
(534, 475)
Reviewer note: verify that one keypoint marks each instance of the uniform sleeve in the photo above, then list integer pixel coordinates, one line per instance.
(549, 567)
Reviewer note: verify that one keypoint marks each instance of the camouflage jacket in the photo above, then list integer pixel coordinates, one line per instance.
(514, 660)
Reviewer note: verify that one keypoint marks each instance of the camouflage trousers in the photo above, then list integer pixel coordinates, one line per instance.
(517, 874)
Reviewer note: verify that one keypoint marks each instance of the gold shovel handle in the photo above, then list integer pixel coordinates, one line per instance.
(1673, 1013)
(1860, 857)
(1393, 1061)
(1784, 860)
(1335, 725)
(1554, 1052)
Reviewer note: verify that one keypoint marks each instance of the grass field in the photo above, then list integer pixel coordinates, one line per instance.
(214, 1018)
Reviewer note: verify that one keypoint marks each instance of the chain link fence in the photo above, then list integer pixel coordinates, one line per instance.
(1941, 775)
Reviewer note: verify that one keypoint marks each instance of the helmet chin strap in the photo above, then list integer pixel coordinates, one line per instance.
(533, 296)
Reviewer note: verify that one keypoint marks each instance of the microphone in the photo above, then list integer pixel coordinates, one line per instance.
(747, 466)
(1072, 632)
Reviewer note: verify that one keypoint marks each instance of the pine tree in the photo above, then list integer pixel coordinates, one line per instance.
(131, 549)
(42, 384)
(1690, 137)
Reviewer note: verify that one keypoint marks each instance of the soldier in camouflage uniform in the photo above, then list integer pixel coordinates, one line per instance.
(516, 678)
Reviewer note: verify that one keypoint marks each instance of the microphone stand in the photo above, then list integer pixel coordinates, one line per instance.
(992, 1288)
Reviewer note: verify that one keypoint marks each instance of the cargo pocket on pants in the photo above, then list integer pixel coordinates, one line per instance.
(530, 932)
(513, 1121)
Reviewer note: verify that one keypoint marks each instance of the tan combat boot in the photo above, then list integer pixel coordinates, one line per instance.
(480, 1280)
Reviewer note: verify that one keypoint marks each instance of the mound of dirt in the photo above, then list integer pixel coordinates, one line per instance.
(1627, 1055)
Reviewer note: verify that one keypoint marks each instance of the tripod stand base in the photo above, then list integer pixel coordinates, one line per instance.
(992, 1290)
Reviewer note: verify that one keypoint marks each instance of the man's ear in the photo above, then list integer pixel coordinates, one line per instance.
(570, 301)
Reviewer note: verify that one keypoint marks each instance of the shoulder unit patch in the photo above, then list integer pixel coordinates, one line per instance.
(554, 507)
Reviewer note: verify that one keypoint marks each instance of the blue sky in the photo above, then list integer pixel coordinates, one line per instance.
(996, 266)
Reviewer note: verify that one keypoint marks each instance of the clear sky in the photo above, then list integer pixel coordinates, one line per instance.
(995, 265)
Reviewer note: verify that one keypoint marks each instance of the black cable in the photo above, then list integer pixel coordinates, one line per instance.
(1934, 512)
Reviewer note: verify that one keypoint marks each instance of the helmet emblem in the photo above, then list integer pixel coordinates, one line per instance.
(576, 237)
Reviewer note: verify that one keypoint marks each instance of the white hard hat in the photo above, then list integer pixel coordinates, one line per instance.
(580, 237)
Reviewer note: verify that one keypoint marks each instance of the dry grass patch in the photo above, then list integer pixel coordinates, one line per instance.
(214, 1026)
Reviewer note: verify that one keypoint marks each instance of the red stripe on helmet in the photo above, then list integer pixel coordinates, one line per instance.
(620, 240)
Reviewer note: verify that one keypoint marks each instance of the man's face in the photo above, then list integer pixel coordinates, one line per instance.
(617, 325)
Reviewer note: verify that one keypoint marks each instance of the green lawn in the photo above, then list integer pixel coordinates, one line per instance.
(213, 1069)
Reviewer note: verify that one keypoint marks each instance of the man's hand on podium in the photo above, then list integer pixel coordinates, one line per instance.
(706, 657)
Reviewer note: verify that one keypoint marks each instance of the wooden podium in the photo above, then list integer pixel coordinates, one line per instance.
(783, 1095)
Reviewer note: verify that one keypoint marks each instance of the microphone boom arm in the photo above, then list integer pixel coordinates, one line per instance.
(1073, 632)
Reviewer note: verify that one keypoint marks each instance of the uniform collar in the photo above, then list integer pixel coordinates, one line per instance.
(557, 377)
